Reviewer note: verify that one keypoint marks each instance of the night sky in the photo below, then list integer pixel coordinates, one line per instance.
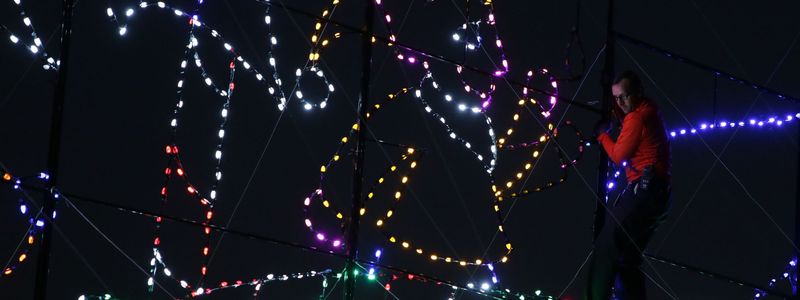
(121, 91)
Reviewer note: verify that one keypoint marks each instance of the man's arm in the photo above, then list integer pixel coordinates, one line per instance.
(626, 143)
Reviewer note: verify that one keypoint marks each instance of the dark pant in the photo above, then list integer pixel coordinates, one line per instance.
(624, 235)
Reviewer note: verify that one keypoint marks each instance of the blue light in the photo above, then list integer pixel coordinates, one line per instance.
(703, 126)
(683, 131)
(378, 253)
(39, 223)
(752, 122)
(610, 185)
(672, 134)
(761, 123)
(23, 209)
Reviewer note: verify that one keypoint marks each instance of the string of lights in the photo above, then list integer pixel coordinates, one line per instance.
(789, 275)
(34, 218)
(35, 46)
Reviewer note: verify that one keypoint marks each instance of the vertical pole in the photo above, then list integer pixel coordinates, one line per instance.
(796, 258)
(43, 259)
(351, 245)
(606, 79)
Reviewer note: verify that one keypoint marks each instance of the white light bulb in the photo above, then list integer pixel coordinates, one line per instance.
(143, 4)
(37, 42)
(452, 135)
(246, 65)
(150, 281)
(184, 284)
(259, 77)
(428, 109)
(330, 87)
(208, 81)
(456, 37)
(178, 12)
(418, 93)
(174, 123)
(167, 272)
(224, 113)
(180, 83)
(323, 104)
(129, 12)
(161, 4)
(299, 94)
(462, 107)
(268, 19)
(227, 46)
(273, 40)
(123, 30)
(213, 195)
(27, 21)
(307, 106)
(272, 61)
(183, 64)
(14, 39)
(218, 154)
(298, 72)
(218, 175)
(34, 49)
(221, 133)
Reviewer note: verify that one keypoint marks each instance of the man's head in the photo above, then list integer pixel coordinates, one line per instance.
(627, 90)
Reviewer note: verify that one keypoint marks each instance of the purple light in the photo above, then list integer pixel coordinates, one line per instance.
(320, 236)
(378, 253)
(39, 223)
(797, 115)
(486, 103)
(793, 263)
(337, 243)
(624, 163)
(610, 185)
(23, 209)
(411, 59)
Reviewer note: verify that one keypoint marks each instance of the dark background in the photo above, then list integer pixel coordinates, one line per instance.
(121, 91)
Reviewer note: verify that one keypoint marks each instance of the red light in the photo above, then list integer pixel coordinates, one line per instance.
(158, 219)
(223, 284)
(180, 171)
(205, 250)
(238, 282)
(232, 86)
(387, 287)
(231, 65)
(157, 241)
(8, 271)
(163, 191)
(208, 230)
(167, 171)
(208, 215)
(203, 271)
(410, 277)
(175, 149)
(169, 149)
(191, 190)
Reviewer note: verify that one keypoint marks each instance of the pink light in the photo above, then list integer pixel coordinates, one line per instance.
(499, 44)
(411, 59)
(337, 243)
(486, 103)
(388, 18)
(320, 236)
(400, 57)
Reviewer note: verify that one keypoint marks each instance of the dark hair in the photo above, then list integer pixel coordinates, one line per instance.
(635, 87)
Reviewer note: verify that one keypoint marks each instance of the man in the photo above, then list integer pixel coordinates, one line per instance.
(643, 148)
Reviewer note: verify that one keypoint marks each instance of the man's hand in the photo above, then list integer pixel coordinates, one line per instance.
(601, 126)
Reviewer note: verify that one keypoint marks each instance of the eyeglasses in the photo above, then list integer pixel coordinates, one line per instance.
(622, 97)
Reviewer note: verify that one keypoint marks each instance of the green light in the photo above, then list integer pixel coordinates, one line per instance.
(371, 277)
(355, 272)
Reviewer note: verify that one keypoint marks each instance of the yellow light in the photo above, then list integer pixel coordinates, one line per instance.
(373, 39)
(508, 246)
(380, 180)
(355, 126)
(501, 141)
(317, 26)
(521, 102)
(494, 188)
(397, 195)
(410, 150)
(478, 261)
(413, 164)
(543, 138)
(7, 177)
(405, 179)
(370, 195)
(379, 223)
(314, 38)
(504, 259)
(516, 117)
(337, 35)
(406, 245)
(447, 259)
(434, 257)
(535, 153)
(510, 130)
(344, 139)
(419, 251)
(22, 257)
(336, 157)
(393, 168)
(519, 175)
(550, 126)
(500, 228)
(339, 216)
(509, 184)
(325, 13)
(533, 101)
(30, 239)
(316, 56)
(527, 166)
(496, 208)
(326, 203)
(389, 213)
(322, 169)
(362, 211)
(462, 263)
(392, 239)
(335, 2)
(324, 43)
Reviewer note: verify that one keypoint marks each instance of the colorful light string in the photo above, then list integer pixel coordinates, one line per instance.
(35, 220)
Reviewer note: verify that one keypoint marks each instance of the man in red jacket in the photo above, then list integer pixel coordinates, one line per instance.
(642, 147)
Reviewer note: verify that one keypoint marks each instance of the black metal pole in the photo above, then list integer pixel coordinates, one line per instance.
(796, 223)
(43, 259)
(607, 77)
(351, 245)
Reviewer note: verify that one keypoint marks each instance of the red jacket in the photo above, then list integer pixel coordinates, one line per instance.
(642, 142)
